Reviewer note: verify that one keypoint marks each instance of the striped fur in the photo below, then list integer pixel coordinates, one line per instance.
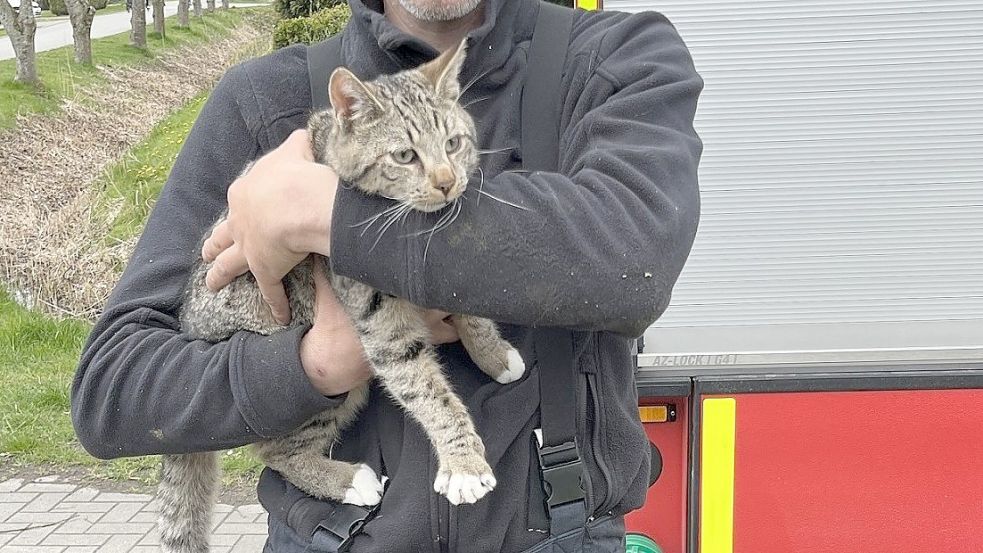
(371, 121)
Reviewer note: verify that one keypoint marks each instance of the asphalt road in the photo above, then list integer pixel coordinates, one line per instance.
(54, 33)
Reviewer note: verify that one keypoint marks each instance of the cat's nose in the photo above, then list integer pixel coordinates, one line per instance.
(442, 178)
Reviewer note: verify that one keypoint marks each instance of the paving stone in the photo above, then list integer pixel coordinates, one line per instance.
(74, 525)
(252, 509)
(152, 537)
(224, 539)
(223, 508)
(46, 488)
(91, 518)
(118, 544)
(83, 494)
(31, 536)
(9, 548)
(123, 497)
(24, 519)
(139, 528)
(76, 539)
(250, 528)
(144, 516)
(74, 507)
(249, 544)
(17, 497)
(121, 512)
(43, 502)
(221, 549)
(80, 549)
(239, 517)
(7, 509)
(151, 507)
(11, 485)
(48, 479)
(146, 549)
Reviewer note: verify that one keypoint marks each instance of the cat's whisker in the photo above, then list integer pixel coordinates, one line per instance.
(517, 171)
(498, 151)
(389, 222)
(475, 101)
(371, 220)
(472, 82)
(506, 202)
(481, 183)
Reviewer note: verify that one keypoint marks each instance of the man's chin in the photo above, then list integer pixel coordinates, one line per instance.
(439, 10)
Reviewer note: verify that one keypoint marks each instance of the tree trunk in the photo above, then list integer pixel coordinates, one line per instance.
(211, 6)
(182, 14)
(81, 14)
(20, 27)
(159, 17)
(225, 4)
(197, 7)
(138, 23)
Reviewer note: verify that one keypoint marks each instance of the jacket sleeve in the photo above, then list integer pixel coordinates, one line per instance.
(599, 244)
(142, 387)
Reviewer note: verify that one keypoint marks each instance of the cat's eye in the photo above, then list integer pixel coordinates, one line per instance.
(405, 157)
(453, 144)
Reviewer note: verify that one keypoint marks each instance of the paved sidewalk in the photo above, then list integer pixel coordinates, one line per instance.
(50, 516)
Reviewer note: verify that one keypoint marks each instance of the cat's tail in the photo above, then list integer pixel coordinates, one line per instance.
(185, 496)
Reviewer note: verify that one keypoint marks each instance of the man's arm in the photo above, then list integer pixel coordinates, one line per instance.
(600, 243)
(142, 387)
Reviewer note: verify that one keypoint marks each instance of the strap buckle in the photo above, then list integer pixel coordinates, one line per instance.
(562, 472)
(345, 521)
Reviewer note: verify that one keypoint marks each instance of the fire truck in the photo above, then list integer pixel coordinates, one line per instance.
(816, 384)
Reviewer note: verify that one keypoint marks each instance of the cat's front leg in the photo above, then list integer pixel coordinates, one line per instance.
(492, 353)
(396, 340)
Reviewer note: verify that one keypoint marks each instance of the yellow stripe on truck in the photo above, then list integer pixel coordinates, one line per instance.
(717, 475)
(587, 4)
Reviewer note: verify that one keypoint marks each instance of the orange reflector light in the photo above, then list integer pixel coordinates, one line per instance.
(657, 413)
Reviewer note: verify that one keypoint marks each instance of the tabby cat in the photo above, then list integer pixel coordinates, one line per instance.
(405, 137)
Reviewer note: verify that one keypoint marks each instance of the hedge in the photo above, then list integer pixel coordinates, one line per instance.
(290, 9)
(57, 7)
(308, 30)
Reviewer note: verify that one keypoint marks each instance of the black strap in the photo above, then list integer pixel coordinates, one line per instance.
(540, 127)
(322, 59)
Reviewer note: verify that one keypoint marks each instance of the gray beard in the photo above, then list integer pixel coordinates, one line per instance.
(439, 10)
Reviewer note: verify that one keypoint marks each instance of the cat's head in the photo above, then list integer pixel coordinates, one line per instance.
(401, 136)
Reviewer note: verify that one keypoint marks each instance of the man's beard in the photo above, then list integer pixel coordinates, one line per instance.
(439, 10)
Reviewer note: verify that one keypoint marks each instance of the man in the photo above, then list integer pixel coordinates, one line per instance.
(597, 249)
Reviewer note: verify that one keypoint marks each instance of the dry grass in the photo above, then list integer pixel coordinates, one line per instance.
(54, 251)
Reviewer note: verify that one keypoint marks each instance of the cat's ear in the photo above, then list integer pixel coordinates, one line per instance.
(351, 98)
(444, 71)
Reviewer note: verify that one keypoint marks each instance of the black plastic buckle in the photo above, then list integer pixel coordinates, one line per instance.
(345, 521)
(562, 473)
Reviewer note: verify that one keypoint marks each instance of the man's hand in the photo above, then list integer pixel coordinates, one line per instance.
(331, 351)
(279, 213)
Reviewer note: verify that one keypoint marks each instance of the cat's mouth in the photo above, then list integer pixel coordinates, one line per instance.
(429, 206)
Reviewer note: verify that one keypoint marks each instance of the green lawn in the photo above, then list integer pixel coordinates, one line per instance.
(136, 181)
(37, 360)
(61, 76)
(38, 354)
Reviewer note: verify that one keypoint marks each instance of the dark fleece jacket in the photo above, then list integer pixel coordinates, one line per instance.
(598, 250)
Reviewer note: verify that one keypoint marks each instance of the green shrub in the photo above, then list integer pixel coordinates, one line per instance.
(57, 7)
(308, 30)
(290, 9)
(98, 4)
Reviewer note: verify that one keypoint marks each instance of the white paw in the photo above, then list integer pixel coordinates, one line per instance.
(366, 489)
(463, 488)
(517, 367)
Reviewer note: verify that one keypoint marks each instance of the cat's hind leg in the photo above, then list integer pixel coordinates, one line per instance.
(492, 353)
(319, 476)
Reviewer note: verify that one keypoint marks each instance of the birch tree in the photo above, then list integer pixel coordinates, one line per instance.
(182, 14)
(81, 13)
(138, 23)
(158, 16)
(197, 6)
(211, 6)
(20, 27)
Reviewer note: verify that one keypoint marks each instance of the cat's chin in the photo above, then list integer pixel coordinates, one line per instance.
(430, 207)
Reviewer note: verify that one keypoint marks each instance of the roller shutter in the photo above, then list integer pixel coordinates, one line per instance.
(842, 179)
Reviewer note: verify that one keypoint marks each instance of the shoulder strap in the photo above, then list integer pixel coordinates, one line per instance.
(322, 59)
(540, 135)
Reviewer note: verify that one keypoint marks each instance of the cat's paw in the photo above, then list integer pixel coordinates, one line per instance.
(366, 488)
(516, 368)
(465, 485)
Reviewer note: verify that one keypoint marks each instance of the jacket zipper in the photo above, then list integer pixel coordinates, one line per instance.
(596, 437)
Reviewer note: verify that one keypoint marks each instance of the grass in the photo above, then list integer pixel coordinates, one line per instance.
(62, 77)
(137, 180)
(37, 360)
(38, 355)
